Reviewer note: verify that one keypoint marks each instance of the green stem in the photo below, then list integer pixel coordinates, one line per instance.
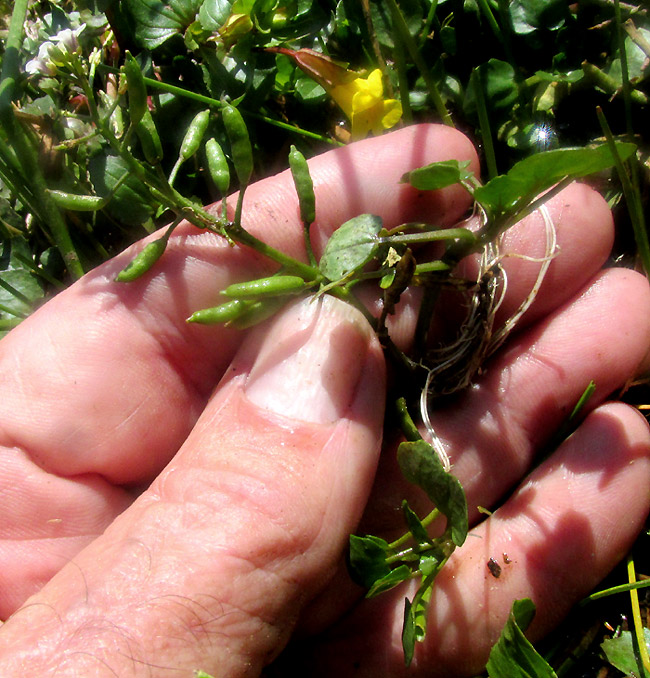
(409, 429)
(502, 38)
(243, 237)
(432, 236)
(11, 311)
(407, 39)
(402, 79)
(14, 292)
(484, 123)
(636, 615)
(615, 590)
(201, 98)
(632, 197)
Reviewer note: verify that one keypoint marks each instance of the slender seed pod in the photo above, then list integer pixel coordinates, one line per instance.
(240, 143)
(257, 312)
(276, 286)
(304, 185)
(194, 135)
(149, 139)
(77, 203)
(217, 166)
(136, 88)
(143, 261)
(219, 314)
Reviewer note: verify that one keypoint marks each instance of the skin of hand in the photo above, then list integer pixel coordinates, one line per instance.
(179, 498)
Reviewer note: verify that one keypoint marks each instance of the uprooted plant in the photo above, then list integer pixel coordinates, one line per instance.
(362, 251)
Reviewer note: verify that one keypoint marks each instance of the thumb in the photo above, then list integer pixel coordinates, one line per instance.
(210, 567)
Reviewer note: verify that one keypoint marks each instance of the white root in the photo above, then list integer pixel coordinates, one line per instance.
(476, 339)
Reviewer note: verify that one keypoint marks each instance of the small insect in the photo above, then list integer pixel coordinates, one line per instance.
(494, 567)
(506, 559)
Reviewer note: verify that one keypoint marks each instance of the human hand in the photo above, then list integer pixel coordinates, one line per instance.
(252, 489)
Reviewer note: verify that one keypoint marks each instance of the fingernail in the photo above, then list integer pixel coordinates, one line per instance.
(310, 361)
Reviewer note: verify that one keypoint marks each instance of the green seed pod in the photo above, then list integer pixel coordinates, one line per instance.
(136, 88)
(304, 185)
(219, 314)
(194, 135)
(218, 166)
(276, 286)
(240, 143)
(77, 203)
(143, 261)
(149, 139)
(257, 312)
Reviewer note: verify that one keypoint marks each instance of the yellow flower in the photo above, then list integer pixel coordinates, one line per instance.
(362, 100)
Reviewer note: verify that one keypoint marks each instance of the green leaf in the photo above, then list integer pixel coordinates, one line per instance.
(19, 288)
(416, 528)
(537, 173)
(389, 581)
(530, 15)
(131, 204)
(157, 21)
(421, 466)
(499, 86)
(367, 561)
(214, 14)
(513, 656)
(620, 652)
(353, 245)
(415, 620)
(438, 175)
(408, 632)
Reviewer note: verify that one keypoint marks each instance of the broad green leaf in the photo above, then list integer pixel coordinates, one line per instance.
(131, 204)
(389, 581)
(421, 466)
(353, 245)
(513, 656)
(438, 175)
(620, 652)
(157, 21)
(19, 288)
(367, 561)
(537, 173)
(308, 89)
(214, 14)
(530, 15)
(414, 524)
(499, 86)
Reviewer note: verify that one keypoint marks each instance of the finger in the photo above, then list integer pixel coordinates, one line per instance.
(209, 567)
(584, 505)
(86, 382)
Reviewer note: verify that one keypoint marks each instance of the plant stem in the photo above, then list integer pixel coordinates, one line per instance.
(242, 236)
(632, 197)
(201, 98)
(636, 615)
(501, 37)
(407, 39)
(484, 122)
(433, 236)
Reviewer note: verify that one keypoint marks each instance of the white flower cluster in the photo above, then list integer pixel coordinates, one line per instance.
(53, 54)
